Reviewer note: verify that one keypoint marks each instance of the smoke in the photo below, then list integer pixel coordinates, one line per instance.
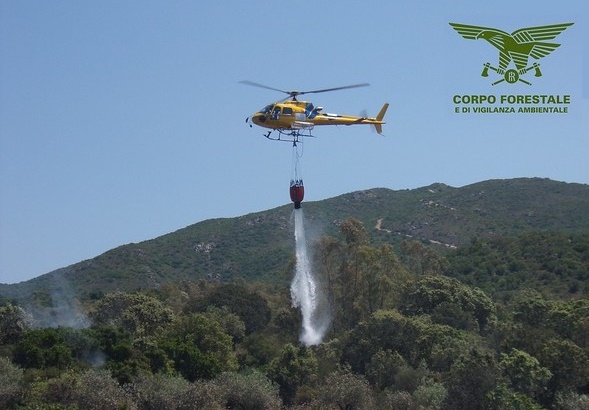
(58, 306)
(305, 290)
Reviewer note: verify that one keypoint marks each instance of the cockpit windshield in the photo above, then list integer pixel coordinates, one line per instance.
(267, 109)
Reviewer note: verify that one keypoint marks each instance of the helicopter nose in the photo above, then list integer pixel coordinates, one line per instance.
(258, 118)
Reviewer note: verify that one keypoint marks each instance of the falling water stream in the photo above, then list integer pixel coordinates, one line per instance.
(304, 289)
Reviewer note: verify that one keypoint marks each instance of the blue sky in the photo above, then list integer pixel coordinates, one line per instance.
(124, 120)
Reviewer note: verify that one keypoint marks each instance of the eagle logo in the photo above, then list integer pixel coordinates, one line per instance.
(518, 47)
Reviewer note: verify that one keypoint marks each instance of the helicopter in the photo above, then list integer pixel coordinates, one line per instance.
(294, 119)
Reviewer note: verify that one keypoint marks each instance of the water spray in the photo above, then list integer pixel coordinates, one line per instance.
(304, 289)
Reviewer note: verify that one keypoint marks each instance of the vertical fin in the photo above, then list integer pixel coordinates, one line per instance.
(380, 117)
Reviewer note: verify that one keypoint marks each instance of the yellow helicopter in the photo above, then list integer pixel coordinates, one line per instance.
(293, 118)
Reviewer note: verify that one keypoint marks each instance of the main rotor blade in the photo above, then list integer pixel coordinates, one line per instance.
(335, 89)
(295, 93)
(263, 86)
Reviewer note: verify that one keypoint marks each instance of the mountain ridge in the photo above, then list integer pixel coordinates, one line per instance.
(259, 246)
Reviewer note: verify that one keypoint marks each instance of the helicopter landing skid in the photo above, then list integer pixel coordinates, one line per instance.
(289, 135)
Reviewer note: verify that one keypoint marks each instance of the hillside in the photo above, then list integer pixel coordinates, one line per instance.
(259, 246)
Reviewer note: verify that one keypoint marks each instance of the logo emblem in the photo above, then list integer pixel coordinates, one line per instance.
(517, 47)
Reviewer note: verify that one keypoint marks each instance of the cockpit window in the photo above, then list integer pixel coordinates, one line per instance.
(266, 109)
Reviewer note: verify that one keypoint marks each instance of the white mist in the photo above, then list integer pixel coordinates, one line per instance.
(304, 289)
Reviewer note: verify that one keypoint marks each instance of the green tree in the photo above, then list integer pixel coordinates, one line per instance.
(230, 322)
(513, 335)
(57, 392)
(410, 378)
(251, 307)
(43, 348)
(346, 391)
(350, 277)
(11, 383)
(200, 347)
(125, 355)
(430, 395)
(568, 363)
(449, 302)
(382, 368)
(248, 391)
(531, 308)
(421, 260)
(524, 372)
(360, 279)
(382, 275)
(569, 400)
(397, 400)
(136, 312)
(295, 367)
(92, 389)
(471, 378)
(190, 361)
(570, 319)
(155, 392)
(354, 232)
(97, 390)
(328, 256)
(502, 397)
(14, 322)
(203, 394)
(415, 339)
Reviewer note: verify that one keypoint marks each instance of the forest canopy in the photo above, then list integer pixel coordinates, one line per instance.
(499, 323)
